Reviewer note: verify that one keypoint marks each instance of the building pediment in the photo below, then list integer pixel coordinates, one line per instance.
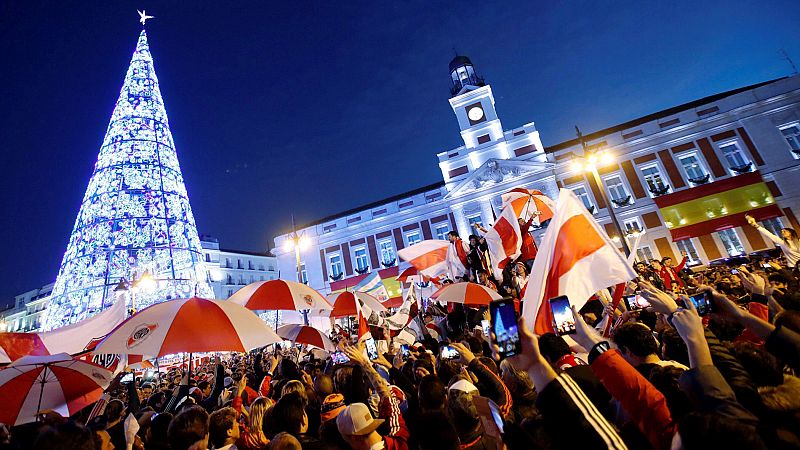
(498, 171)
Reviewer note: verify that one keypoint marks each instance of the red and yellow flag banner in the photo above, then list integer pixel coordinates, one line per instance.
(717, 206)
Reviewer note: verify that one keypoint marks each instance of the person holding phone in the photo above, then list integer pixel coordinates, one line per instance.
(564, 407)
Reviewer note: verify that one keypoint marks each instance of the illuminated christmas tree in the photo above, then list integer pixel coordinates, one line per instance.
(135, 219)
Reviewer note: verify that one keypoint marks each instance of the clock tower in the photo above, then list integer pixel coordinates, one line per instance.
(473, 103)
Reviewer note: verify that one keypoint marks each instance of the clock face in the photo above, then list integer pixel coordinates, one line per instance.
(475, 113)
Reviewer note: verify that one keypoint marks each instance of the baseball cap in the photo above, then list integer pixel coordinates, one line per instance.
(356, 420)
(331, 407)
(464, 386)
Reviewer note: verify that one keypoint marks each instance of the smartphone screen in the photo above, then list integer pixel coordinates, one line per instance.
(404, 350)
(126, 378)
(486, 327)
(563, 322)
(372, 349)
(504, 327)
(734, 271)
(701, 303)
(339, 358)
(449, 352)
(636, 302)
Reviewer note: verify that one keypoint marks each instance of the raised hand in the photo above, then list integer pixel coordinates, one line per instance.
(658, 299)
(466, 354)
(585, 335)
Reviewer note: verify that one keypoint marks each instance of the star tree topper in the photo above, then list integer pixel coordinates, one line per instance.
(143, 16)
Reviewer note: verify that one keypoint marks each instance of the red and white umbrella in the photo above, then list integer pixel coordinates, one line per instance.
(304, 334)
(58, 382)
(188, 325)
(527, 201)
(466, 293)
(344, 304)
(279, 295)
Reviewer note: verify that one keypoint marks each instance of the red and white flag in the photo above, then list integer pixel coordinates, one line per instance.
(434, 257)
(576, 258)
(504, 240)
(363, 332)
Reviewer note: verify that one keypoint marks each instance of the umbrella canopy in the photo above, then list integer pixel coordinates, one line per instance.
(58, 382)
(189, 325)
(344, 304)
(527, 201)
(466, 293)
(303, 334)
(279, 294)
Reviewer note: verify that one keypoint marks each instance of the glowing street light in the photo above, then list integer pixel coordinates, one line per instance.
(589, 163)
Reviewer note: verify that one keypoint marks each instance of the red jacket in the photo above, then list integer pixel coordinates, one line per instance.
(645, 405)
(529, 248)
(670, 274)
(389, 410)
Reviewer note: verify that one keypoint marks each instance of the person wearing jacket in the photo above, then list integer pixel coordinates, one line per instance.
(669, 273)
(643, 403)
(355, 422)
(566, 411)
(789, 243)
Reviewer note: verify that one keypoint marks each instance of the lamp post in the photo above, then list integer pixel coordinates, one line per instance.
(589, 163)
(145, 282)
(297, 242)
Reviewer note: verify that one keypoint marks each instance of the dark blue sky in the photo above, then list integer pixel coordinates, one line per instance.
(315, 107)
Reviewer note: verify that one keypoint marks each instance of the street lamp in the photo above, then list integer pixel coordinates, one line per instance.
(589, 163)
(297, 242)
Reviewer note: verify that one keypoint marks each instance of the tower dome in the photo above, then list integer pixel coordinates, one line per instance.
(462, 73)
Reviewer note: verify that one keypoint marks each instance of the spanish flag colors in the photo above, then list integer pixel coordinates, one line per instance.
(717, 206)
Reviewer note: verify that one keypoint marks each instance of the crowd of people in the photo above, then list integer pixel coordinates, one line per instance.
(673, 375)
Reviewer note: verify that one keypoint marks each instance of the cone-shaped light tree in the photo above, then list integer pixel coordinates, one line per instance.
(135, 220)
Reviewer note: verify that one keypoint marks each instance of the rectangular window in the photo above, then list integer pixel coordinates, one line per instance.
(387, 251)
(734, 154)
(695, 172)
(472, 220)
(792, 135)
(645, 254)
(773, 225)
(584, 196)
(686, 245)
(412, 237)
(335, 264)
(654, 180)
(632, 226)
(441, 231)
(731, 242)
(360, 255)
(616, 189)
(227, 263)
(303, 273)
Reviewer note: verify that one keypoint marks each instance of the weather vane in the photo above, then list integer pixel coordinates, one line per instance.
(143, 16)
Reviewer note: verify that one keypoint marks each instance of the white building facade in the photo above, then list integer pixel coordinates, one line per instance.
(754, 128)
(227, 271)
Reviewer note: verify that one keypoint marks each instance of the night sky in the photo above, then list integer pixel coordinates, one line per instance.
(312, 108)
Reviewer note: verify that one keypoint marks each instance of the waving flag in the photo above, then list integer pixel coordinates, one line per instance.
(576, 259)
(528, 201)
(504, 240)
(434, 257)
(70, 339)
(373, 285)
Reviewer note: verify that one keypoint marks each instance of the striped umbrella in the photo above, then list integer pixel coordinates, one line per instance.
(527, 201)
(344, 304)
(279, 295)
(58, 382)
(188, 325)
(466, 293)
(304, 334)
